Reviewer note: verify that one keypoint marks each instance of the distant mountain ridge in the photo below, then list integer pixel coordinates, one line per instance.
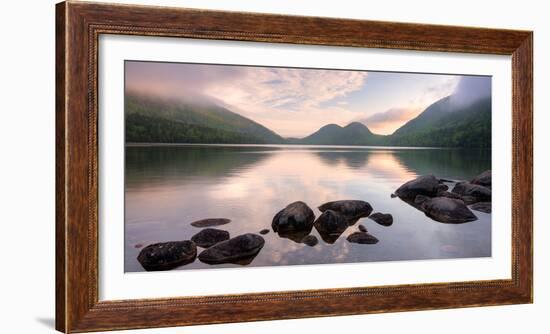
(354, 133)
(442, 124)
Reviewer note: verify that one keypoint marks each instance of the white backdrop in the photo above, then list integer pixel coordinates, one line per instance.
(27, 168)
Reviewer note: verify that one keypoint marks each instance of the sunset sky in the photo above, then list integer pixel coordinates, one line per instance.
(297, 102)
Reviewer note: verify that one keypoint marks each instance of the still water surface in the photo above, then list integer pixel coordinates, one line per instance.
(168, 187)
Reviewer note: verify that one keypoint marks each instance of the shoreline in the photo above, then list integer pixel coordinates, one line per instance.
(303, 145)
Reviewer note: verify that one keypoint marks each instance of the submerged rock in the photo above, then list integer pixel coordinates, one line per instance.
(210, 222)
(352, 209)
(296, 236)
(442, 180)
(330, 225)
(427, 185)
(362, 228)
(362, 238)
(482, 207)
(384, 219)
(167, 255)
(448, 210)
(294, 217)
(264, 231)
(138, 245)
(479, 193)
(209, 237)
(310, 240)
(483, 179)
(242, 247)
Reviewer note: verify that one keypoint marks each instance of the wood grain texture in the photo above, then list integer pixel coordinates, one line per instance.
(78, 28)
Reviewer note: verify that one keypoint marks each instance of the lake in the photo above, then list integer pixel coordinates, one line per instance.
(170, 186)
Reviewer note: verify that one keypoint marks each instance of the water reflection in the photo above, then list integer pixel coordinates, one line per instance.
(168, 187)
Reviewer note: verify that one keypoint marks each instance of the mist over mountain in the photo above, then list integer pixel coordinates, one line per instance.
(470, 89)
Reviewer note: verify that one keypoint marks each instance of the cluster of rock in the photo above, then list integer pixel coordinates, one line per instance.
(218, 248)
(432, 196)
(297, 220)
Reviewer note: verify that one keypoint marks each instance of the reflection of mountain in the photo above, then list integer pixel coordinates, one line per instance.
(459, 163)
(352, 158)
(445, 123)
(178, 162)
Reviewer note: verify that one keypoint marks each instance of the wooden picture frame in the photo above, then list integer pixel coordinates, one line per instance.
(78, 26)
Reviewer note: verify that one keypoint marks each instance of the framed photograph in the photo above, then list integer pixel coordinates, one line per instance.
(221, 166)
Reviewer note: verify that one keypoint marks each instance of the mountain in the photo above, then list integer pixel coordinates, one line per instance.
(352, 134)
(151, 119)
(448, 124)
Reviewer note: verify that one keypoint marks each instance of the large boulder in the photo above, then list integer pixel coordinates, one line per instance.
(362, 238)
(208, 222)
(427, 185)
(482, 207)
(483, 179)
(167, 255)
(242, 247)
(448, 210)
(352, 209)
(209, 237)
(384, 219)
(479, 193)
(294, 217)
(330, 225)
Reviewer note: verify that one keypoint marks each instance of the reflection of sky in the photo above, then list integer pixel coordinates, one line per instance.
(160, 204)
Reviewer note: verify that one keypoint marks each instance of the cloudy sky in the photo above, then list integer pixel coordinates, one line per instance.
(297, 102)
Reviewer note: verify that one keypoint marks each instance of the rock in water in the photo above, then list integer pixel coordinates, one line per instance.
(483, 179)
(482, 207)
(167, 255)
(296, 236)
(310, 240)
(442, 187)
(480, 193)
(295, 217)
(233, 250)
(211, 222)
(427, 185)
(362, 228)
(362, 238)
(420, 199)
(448, 210)
(448, 194)
(330, 225)
(209, 237)
(264, 231)
(352, 209)
(384, 219)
